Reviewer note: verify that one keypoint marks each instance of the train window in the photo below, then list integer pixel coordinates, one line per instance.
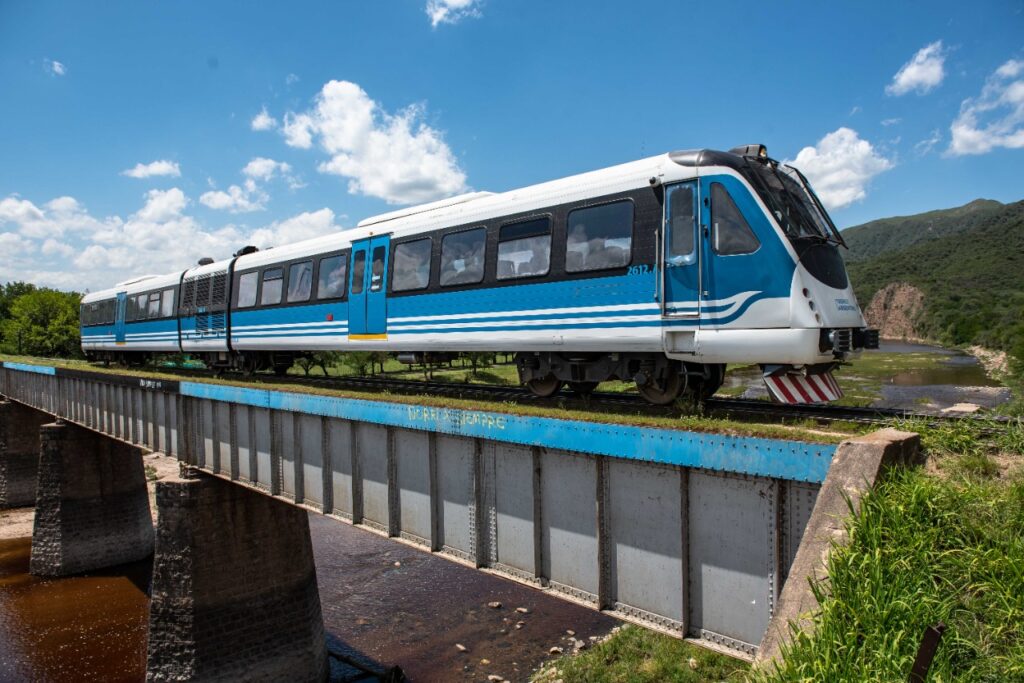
(524, 249)
(599, 237)
(247, 289)
(462, 257)
(140, 307)
(167, 304)
(154, 305)
(681, 225)
(412, 265)
(331, 283)
(358, 272)
(300, 281)
(377, 273)
(273, 278)
(730, 233)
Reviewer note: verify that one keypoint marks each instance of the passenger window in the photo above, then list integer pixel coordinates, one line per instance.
(524, 249)
(273, 279)
(599, 237)
(730, 233)
(140, 307)
(462, 257)
(681, 225)
(300, 281)
(331, 283)
(154, 305)
(377, 272)
(167, 304)
(358, 272)
(412, 265)
(247, 289)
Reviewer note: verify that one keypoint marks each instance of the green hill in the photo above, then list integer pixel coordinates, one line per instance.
(887, 235)
(968, 263)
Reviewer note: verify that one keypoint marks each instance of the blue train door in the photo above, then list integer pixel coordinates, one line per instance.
(682, 252)
(367, 301)
(122, 300)
(729, 266)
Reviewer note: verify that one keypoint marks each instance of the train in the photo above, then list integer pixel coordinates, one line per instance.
(660, 272)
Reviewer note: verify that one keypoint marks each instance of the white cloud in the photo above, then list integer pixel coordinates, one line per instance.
(236, 199)
(926, 145)
(56, 218)
(396, 157)
(291, 79)
(295, 229)
(161, 167)
(263, 121)
(922, 73)
(263, 168)
(452, 11)
(840, 167)
(993, 119)
(891, 122)
(54, 67)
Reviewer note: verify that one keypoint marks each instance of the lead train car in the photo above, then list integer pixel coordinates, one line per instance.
(659, 271)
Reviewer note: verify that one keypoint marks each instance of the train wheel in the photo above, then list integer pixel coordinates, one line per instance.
(545, 387)
(583, 388)
(714, 382)
(665, 391)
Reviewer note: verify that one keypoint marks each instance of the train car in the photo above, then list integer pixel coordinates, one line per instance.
(133, 320)
(659, 271)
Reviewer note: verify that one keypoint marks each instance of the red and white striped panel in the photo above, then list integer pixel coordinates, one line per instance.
(797, 388)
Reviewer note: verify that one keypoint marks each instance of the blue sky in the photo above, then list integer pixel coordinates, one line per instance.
(137, 136)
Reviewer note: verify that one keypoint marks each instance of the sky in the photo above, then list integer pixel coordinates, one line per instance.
(137, 137)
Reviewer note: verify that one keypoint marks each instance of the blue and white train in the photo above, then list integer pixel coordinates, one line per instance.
(660, 271)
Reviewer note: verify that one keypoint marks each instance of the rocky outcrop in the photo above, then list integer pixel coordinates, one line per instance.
(895, 309)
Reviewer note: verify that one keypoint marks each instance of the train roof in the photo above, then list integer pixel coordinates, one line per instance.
(144, 283)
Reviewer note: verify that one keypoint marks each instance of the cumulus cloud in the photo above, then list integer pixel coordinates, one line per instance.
(922, 73)
(54, 219)
(452, 11)
(295, 229)
(237, 199)
(263, 121)
(161, 167)
(993, 119)
(396, 157)
(840, 167)
(263, 168)
(54, 67)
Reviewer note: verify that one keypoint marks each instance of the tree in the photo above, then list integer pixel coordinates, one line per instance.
(43, 322)
(8, 293)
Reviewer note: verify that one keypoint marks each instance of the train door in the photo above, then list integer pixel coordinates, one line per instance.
(122, 305)
(682, 253)
(367, 302)
(729, 268)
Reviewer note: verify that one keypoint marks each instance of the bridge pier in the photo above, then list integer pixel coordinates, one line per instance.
(234, 594)
(19, 453)
(92, 507)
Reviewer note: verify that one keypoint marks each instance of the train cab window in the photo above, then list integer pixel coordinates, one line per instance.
(730, 232)
(273, 279)
(681, 225)
(331, 282)
(167, 304)
(300, 281)
(377, 272)
(462, 257)
(524, 249)
(411, 267)
(358, 272)
(154, 305)
(247, 289)
(599, 237)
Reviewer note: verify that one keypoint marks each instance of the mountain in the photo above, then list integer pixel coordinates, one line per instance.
(892, 234)
(956, 275)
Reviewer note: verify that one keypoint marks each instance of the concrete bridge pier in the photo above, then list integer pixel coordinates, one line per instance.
(19, 453)
(92, 506)
(234, 593)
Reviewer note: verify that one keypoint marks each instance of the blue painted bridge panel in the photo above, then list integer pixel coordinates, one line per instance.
(25, 367)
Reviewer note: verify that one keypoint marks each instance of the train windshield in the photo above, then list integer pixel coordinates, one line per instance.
(789, 197)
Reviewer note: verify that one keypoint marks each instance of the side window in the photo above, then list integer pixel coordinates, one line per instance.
(154, 305)
(140, 307)
(167, 304)
(524, 249)
(300, 281)
(358, 271)
(599, 237)
(377, 274)
(411, 267)
(247, 289)
(273, 279)
(681, 225)
(331, 283)
(462, 257)
(730, 232)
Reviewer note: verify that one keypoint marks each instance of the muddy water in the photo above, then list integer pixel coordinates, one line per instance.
(384, 604)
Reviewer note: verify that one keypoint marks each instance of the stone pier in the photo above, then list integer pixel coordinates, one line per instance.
(92, 507)
(234, 594)
(19, 453)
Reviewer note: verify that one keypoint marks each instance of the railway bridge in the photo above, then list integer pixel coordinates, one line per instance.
(690, 533)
